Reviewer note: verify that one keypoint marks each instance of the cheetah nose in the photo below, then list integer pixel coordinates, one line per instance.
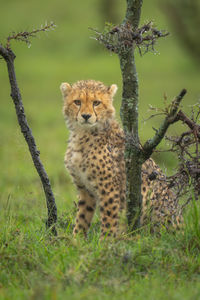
(86, 116)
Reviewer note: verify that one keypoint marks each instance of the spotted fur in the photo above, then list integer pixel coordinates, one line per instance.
(95, 160)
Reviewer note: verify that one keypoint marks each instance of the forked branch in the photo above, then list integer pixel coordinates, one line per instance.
(171, 117)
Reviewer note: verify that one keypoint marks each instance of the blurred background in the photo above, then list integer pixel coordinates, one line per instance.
(69, 54)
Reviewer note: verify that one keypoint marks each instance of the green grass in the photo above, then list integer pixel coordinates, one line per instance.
(34, 265)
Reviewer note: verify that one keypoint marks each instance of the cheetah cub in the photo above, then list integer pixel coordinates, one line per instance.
(95, 160)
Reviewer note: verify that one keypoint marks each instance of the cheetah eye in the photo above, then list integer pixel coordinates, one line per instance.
(77, 102)
(96, 102)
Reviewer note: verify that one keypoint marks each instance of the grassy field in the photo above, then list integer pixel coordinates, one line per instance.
(37, 266)
(34, 265)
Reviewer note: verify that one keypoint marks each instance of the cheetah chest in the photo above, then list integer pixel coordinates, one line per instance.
(80, 161)
(91, 162)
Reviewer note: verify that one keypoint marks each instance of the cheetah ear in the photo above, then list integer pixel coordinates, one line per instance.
(65, 88)
(112, 90)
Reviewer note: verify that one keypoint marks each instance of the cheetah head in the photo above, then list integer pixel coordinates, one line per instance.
(88, 103)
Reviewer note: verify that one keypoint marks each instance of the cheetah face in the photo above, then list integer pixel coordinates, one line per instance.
(88, 103)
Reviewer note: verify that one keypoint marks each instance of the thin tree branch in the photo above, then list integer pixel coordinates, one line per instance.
(191, 124)
(25, 36)
(151, 144)
(9, 57)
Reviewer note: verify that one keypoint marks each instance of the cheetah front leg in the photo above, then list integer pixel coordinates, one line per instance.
(109, 214)
(86, 208)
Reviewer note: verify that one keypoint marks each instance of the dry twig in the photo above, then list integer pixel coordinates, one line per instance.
(25, 36)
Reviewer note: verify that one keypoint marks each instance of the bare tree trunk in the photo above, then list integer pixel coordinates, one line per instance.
(9, 57)
(129, 116)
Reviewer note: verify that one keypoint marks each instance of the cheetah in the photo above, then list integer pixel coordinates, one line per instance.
(95, 160)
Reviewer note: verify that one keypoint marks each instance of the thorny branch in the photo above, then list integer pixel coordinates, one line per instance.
(25, 36)
(118, 38)
(186, 180)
